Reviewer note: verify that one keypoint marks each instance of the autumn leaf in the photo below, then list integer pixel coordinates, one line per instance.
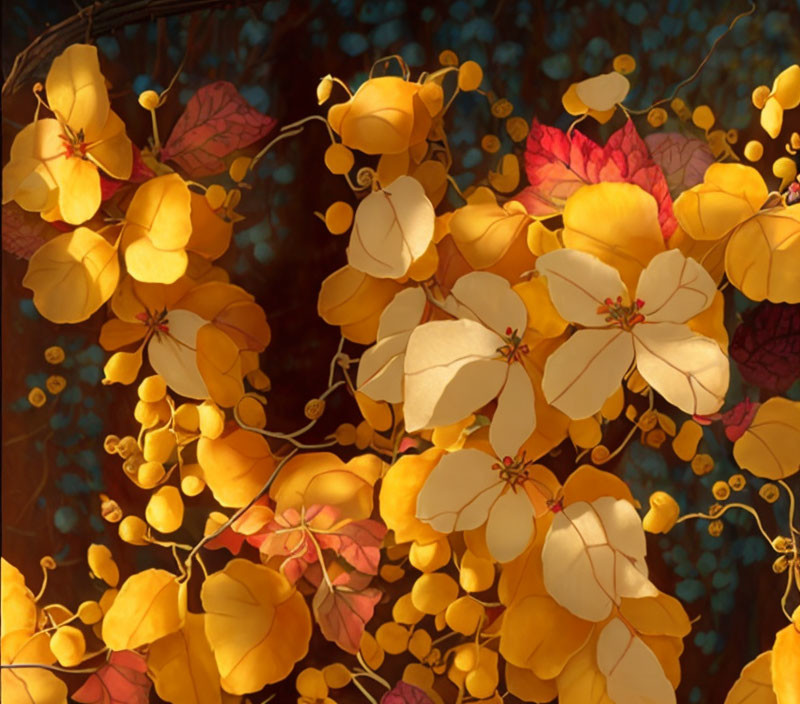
(770, 446)
(683, 160)
(24, 232)
(358, 542)
(557, 165)
(122, 680)
(754, 685)
(72, 275)
(766, 345)
(343, 612)
(217, 121)
(786, 662)
(404, 693)
(220, 366)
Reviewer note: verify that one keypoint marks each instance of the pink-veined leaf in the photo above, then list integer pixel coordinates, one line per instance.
(24, 232)
(557, 165)
(122, 680)
(683, 160)
(217, 121)
(404, 693)
(359, 543)
(342, 613)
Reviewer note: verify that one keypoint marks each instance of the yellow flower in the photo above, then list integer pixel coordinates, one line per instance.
(54, 162)
(785, 95)
(598, 96)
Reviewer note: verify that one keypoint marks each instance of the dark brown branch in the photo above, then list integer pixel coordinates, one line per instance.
(96, 20)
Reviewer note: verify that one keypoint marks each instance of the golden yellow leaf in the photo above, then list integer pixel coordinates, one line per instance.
(32, 686)
(524, 685)
(72, 275)
(710, 253)
(182, 665)
(581, 682)
(211, 235)
(235, 466)
(786, 664)
(506, 178)
(770, 447)
(17, 607)
(763, 256)
(220, 366)
(754, 685)
(616, 222)
(660, 615)
(257, 624)
(146, 609)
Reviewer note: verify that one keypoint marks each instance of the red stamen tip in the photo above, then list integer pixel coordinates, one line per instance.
(619, 299)
(507, 461)
(639, 303)
(609, 302)
(142, 316)
(508, 330)
(163, 328)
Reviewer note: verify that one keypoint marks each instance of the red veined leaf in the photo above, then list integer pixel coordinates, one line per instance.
(404, 693)
(683, 160)
(738, 419)
(217, 121)
(342, 613)
(140, 172)
(122, 680)
(24, 232)
(359, 543)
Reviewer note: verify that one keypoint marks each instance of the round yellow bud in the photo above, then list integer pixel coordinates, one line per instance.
(187, 418)
(148, 99)
(54, 355)
(702, 464)
(476, 574)
(780, 565)
(657, 117)
(502, 108)
(131, 465)
(781, 543)
(753, 150)
(448, 58)
(324, 88)
(466, 657)
(715, 528)
(238, 168)
(759, 96)
(89, 612)
(624, 64)
(310, 684)
(392, 637)
(110, 510)
(737, 482)
(110, 444)
(769, 492)
(419, 645)
(430, 556)
(464, 615)
(339, 159)
(663, 513)
(363, 435)
(470, 75)
(215, 196)
(150, 474)
(434, 592)
(336, 675)
(102, 564)
(490, 143)
(37, 397)
(56, 384)
(517, 128)
(152, 389)
(211, 420)
(314, 408)
(192, 479)
(715, 509)
(339, 217)
(158, 445)
(600, 454)
(165, 510)
(345, 434)
(68, 645)
(721, 490)
(404, 611)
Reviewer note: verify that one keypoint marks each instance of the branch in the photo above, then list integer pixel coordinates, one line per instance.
(96, 20)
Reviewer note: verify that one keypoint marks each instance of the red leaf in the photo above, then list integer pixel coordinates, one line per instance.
(229, 539)
(766, 346)
(557, 165)
(343, 613)
(359, 543)
(24, 232)
(140, 172)
(217, 121)
(739, 418)
(404, 693)
(109, 186)
(122, 680)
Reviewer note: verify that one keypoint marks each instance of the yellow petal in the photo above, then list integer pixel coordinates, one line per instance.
(661, 615)
(506, 178)
(219, 365)
(772, 117)
(123, 367)
(729, 194)
(572, 102)
(17, 607)
(270, 618)
(76, 90)
(145, 610)
(161, 210)
(112, 150)
(148, 264)
(754, 685)
(432, 593)
(616, 222)
(72, 275)
(79, 192)
(769, 448)
(786, 665)
(763, 256)
(211, 235)
(522, 683)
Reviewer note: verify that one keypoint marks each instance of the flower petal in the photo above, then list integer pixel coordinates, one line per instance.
(459, 491)
(674, 288)
(579, 284)
(403, 313)
(490, 300)
(113, 151)
(380, 371)
(603, 92)
(510, 526)
(515, 417)
(581, 374)
(79, 193)
(617, 222)
(452, 368)
(688, 370)
(173, 355)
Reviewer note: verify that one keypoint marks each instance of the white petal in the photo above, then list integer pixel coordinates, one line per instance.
(380, 370)
(687, 369)
(488, 298)
(403, 313)
(459, 491)
(603, 92)
(515, 417)
(581, 374)
(510, 526)
(452, 368)
(590, 555)
(392, 228)
(579, 283)
(632, 671)
(173, 355)
(674, 288)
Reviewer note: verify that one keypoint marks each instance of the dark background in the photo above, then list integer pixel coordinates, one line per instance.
(275, 52)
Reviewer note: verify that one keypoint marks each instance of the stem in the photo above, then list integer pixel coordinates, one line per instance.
(156, 139)
(724, 510)
(369, 671)
(283, 135)
(364, 691)
(52, 668)
(321, 559)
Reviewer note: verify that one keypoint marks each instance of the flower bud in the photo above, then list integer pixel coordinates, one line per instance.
(663, 513)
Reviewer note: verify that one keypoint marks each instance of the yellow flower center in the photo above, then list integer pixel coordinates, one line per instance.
(513, 349)
(621, 315)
